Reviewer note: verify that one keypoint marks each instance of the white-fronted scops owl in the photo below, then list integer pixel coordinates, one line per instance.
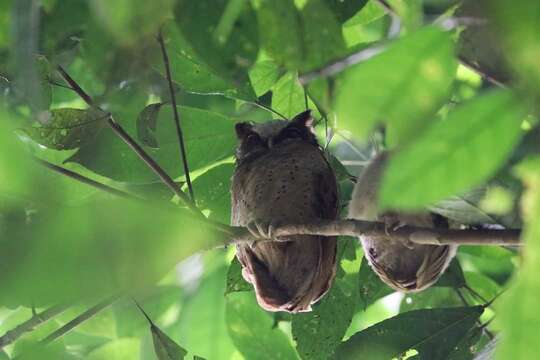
(282, 175)
(405, 267)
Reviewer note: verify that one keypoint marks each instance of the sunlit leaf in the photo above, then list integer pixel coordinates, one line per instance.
(213, 192)
(288, 96)
(121, 349)
(263, 76)
(251, 329)
(432, 333)
(374, 91)
(449, 152)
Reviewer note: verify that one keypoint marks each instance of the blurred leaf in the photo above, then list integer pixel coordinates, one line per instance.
(26, 350)
(403, 99)
(464, 208)
(235, 281)
(370, 12)
(288, 96)
(165, 347)
(208, 136)
(213, 192)
(128, 21)
(63, 129)
(517, 24)
(436, 333)
(431, 298)
(251, 329)
(453, 276)
(344, 10)
(226, 37)
(318, 333)
(120, 349)
(147, 123)
(263, 76)
(517, 307)
(202, 324)
(449, 152)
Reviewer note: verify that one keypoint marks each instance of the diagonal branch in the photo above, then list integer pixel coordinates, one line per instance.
(29, 325)
(176, 116)
(120, 132)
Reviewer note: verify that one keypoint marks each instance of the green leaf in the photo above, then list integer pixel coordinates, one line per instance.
(63, 129)
(213, 192)
(319, 333)
(344, 10)
(147, 123)
(370, 285)
(453, 276)
(251, 329)
(373, 91)
(235, 281)
(370, 12)
(225, 38)
(120, 349)
(165, 347)
(263, 76)
(517, 307)
(288, 96)
(192, 73)
(433, 333)
(209, 137)
(459, 152)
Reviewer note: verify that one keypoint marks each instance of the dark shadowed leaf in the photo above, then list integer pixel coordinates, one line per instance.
(448, 152)
(235, 281)
(208, 136)
(165, 347)
(344, 10)
(453, 276)
(402, 99)
(436, 333)
(146, 124)
(63, 129)
(371, 288)
(251, 329)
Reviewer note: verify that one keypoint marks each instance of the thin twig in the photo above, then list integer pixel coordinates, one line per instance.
(88, 314)
(120, 132)
(176, 116)
(419, 235)
(469, 65)
(268, 108)
(11, 335)
(85, 180)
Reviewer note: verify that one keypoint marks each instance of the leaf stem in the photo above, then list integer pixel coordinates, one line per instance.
(176, 115)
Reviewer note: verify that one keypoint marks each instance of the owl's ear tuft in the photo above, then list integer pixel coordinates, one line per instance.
(304, 119)
(243, 129)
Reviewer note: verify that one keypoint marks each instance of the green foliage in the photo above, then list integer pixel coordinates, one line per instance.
(372, 80)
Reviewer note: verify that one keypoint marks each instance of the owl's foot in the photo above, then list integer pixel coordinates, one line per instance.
(392, 223)
(263, 230)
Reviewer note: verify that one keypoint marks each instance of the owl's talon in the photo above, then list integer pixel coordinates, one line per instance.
(263, 230)
(392, 223)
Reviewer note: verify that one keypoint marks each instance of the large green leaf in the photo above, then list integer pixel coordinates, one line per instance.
(209, 137)
(251, 329)
(121, 349)
(63, 129)
(235, 280)
(371, 288)
(402, 87)
(213, 192)
(459, 152)
(518, 307)
(432, 333)
(225, 37)
(288, 96)
(263, 76)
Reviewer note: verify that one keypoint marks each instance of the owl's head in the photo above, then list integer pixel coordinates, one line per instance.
(257, 139)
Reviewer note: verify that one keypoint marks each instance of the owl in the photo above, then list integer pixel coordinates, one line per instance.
(282, 175)
(405, 267)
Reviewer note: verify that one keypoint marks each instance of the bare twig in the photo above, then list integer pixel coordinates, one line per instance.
(88, 314)
(268, 108)
(176, 116)
(120, 132)
(480, 72)
(11, 335)
(84, 179)
(405, 234)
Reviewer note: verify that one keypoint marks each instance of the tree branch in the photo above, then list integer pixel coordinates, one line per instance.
(88, 314)
(120, 132)
(176, 116)
(405, 234)
(32, 323)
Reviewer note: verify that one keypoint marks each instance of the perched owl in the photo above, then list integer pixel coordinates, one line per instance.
(405, 267)
(282, 175)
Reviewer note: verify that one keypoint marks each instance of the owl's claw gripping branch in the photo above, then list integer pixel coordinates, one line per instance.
(418, 235)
